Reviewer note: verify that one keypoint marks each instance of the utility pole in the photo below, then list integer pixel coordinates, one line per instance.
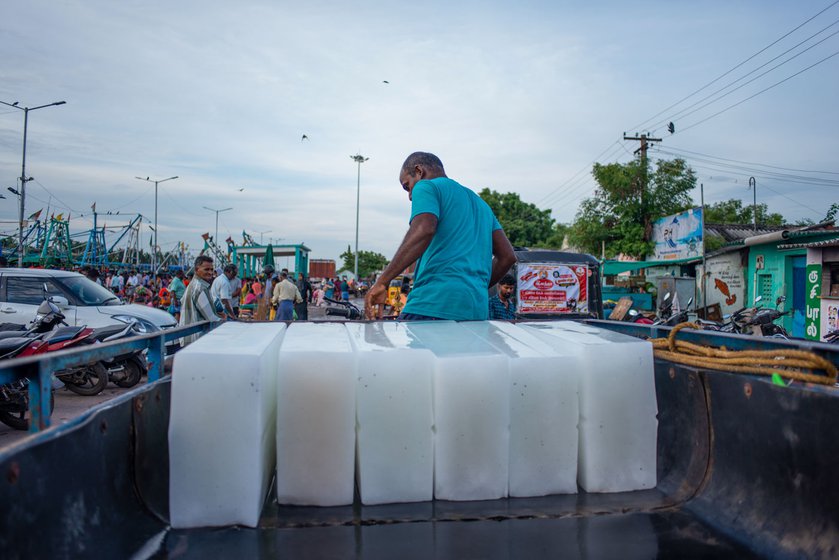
(642, 150)
(21, 252)
(753, 186)
(359, 159)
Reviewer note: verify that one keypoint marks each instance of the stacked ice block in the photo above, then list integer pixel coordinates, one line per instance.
(394, 414)
(222, 425)
(543, 410)
(618, 424)
(471, 412)
(316, 416)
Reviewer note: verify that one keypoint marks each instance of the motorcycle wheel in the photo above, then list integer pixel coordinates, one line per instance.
(131, 373)
(20, 420)
(90, 381)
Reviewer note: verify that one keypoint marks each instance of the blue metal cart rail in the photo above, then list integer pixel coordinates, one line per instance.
(39, 369)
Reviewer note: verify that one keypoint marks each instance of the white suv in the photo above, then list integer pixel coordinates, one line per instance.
(82, 301)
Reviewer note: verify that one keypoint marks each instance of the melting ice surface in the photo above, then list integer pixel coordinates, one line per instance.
(222, 425)
(394, 414)
(316, 416)
(543, 409)
(471, 412)
(618, 424)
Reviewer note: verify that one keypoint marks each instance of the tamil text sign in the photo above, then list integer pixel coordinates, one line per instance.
(552, 288)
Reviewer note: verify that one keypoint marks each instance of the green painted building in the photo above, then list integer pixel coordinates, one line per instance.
(776, 267)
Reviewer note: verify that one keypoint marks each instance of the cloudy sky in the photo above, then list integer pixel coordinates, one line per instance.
(514, 96)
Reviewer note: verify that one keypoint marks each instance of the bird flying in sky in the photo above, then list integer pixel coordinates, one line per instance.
(385, 82)
(243, 188)
(304, 137)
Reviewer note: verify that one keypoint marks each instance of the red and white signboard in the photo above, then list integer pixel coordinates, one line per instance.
(552, 288)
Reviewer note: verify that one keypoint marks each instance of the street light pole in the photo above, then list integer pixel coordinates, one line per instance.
(359, 159)
(154, 250)
(215, 239)
(261, 233)
(23, 178)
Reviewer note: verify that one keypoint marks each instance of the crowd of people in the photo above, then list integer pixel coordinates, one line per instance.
(229, 295)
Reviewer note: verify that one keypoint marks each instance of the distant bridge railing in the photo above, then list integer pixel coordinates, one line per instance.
(39, 369)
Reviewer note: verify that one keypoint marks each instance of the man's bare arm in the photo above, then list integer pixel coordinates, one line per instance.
(503, 256)
(416, 241)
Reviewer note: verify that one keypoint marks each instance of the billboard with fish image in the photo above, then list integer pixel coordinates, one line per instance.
(552, 288)
(678, 236)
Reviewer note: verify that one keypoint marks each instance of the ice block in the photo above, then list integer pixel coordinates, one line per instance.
(394, 414)
(316, 416)
(618, 409)
(544, 409)
(222, 425)
(471, 412)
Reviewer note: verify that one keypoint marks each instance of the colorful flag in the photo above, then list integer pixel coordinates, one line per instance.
(35, 215)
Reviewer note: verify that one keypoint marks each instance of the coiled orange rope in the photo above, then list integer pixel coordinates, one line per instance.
(798, 365)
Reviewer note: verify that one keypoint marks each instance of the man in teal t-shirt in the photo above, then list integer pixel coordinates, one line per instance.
(461, 247)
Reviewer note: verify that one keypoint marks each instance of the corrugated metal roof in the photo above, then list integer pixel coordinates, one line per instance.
(798, 234)
(812, 245)
(737, 232)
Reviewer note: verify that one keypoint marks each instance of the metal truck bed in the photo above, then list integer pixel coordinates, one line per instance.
(745, 469)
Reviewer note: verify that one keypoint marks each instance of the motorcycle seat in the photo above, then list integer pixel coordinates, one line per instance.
(13, 344)
(63, 333)
(104, 332)
(12, 334)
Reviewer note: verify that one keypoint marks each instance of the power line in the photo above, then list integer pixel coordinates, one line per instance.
(67, 206)
(583, 169)
(724, 74)
(578, 192)
(574, 186)
(686, 111)
(682, 114)
(752, 163)
(818, 212)
(759, 175)
(718, 113)
(752, 170)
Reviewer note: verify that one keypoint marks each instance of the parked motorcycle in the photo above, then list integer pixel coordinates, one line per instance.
(124, 370)
(665, 314)
(88, 379)
(756, 320)
(345, 309)
(14, 397)
(762, 322)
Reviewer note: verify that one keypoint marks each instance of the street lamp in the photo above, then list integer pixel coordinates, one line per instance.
(154, 251)
(215, 239)
(261, 233)
(23, 178)
(359, 159)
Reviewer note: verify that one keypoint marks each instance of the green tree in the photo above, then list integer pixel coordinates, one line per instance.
(831, 212)
(368, 261)
(557, 237)
(733, 211)
(621, 212)
(524, 223)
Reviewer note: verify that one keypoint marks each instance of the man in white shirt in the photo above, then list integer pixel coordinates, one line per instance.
(221, 291)
(285, 296)
(236, 293)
